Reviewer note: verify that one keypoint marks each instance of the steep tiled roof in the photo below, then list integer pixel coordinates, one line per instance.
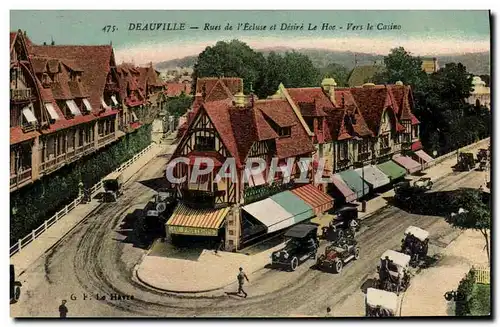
(277, 111)
(240, 127)
(175, 89)
(371, 101)
(94, 60)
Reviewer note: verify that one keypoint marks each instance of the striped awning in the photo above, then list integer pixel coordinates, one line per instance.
(194, 221)
(318, 200)
(280, 211)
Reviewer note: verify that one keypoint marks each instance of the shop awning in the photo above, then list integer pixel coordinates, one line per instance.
(424, 156)
(373, 176)
(295, 205)
(194, 221)
(339, 183)
(392, 169)
(407, 163)
(280, 211)
(355, 182)
(319, 201)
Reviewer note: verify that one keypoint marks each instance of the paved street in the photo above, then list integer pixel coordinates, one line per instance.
(96, 258)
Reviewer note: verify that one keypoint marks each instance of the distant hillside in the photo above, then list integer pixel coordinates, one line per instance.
(476, 63)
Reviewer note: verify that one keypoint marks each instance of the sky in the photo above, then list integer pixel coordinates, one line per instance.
(420, 32)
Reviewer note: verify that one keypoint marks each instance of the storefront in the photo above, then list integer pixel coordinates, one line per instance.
(204, 222)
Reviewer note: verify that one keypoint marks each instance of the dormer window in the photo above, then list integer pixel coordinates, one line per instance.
(113, 98)
(73, 108)
(86, 105)
(105, 105)
(52, 111)
(285, 131)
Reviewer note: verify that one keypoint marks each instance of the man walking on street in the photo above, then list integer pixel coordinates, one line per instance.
(63, 311)
(241, 280)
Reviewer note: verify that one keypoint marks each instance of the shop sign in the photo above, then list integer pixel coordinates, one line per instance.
(197, 231)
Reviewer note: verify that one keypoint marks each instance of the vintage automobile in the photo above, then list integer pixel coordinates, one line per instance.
(337, 254)
(415, 244)
(483, 164)
(405, 190)
(423, 184)
(161, 202)
(15, 286)
(380, 303)
(483, 154)
(346, 223)
(466, 161)
(394, 275)
(302, 245)
(112, 187)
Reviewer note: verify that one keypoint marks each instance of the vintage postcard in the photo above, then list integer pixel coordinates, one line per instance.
(250, 164)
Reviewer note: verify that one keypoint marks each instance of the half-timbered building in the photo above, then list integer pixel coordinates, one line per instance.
(240, 130)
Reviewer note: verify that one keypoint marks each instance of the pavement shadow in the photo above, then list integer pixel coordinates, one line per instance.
(135, 230)
(369, 283)
(429, 261)
(155, 183)
(441, 203)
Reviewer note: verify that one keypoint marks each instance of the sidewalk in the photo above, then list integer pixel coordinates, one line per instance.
(196, 270)
(29, 254)
(425, 296)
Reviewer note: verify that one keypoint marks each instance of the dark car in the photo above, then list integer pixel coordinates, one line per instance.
(302, 245)
(337, 254)
(345, 224)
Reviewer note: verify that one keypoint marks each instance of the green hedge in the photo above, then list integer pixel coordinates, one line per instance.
(35, 203)
(480, 304)
(465, 289)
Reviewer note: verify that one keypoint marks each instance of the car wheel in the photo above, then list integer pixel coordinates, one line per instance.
(338, 266)
(17, 293)
(294, 263)
(356, 254)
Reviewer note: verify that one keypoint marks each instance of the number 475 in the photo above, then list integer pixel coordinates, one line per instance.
(109, 28)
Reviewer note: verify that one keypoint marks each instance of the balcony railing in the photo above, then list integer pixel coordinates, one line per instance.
(66, 157)
(20, 94)
(106, 139)
(343, 163)
(386, 150)
(20, 178)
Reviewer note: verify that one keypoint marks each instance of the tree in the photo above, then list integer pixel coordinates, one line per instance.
(486, 78)
(476, 213)
(400, 65)
(229, 59)
(293, 69)
(337, 72)
(178, 106)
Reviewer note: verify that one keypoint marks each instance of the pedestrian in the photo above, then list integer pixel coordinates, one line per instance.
(63, 311)
(241, 280)
(328, 312)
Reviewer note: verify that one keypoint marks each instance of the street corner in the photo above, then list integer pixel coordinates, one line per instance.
(190, 271)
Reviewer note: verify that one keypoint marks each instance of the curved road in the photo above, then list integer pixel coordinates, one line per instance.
(96, 259)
